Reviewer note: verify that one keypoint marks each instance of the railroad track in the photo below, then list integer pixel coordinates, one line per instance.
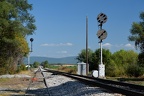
(114, 86)
(34, 80)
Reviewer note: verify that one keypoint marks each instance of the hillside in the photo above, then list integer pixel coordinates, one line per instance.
(65, 60)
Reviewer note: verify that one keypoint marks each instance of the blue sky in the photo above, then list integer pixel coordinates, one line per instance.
(61, 25)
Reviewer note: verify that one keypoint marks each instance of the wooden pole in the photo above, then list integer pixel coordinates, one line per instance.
(87, 67)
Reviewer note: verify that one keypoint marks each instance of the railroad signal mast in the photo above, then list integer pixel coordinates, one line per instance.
(102, 34)
(31, 40)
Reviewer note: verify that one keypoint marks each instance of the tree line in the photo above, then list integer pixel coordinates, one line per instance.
(120, 63)
(45, 64)
(16, 23)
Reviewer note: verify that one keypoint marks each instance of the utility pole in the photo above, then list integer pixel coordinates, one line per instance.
(87, 65)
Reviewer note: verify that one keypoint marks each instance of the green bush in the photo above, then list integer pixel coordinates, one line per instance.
(11, 70)
(135, 70)
(45, 65)
(22, 67)
(68, 69)
(112, 70)
(36, 64)
(2, 70)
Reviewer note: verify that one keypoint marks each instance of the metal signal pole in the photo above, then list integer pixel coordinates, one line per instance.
(102, 34)
(31, 40)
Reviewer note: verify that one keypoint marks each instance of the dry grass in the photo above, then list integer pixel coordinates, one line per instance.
(14, 83)
(28, 72)
(13, 93)
(68, 69)
(9, 86)
(18, 86)
(13, 86)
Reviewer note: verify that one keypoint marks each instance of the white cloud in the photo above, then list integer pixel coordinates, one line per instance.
(64, 44)
(64, 52)
(129, 45)
(107, 45)
(44, 45)
(60, 44)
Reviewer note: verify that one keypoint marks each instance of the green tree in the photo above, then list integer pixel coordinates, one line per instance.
(141, 60)
(106, 57)
(134, 70)
(123, 59)
(82, 57)
(94, 58)
(111, 69)
(16, 23)
(45, 64)
(36, 64)
(137, 33)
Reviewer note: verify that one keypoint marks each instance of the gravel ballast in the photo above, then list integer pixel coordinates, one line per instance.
(55, 85)
(63, 86)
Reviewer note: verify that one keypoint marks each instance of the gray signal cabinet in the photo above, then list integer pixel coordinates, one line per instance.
(81, 68)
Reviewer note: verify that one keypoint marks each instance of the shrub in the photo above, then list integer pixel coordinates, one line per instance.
(2, 70)
(62, 68)
(36, 64)
(45, 65)
(112, 70)
(11, 70)
(68, 69)
(134, 70)
(22, 67)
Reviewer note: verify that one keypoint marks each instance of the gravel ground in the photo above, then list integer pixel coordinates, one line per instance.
(62, 86)
(56, 85)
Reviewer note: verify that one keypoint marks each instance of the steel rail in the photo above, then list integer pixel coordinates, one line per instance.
(44, 81)
(114, 86)
(139, 87)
